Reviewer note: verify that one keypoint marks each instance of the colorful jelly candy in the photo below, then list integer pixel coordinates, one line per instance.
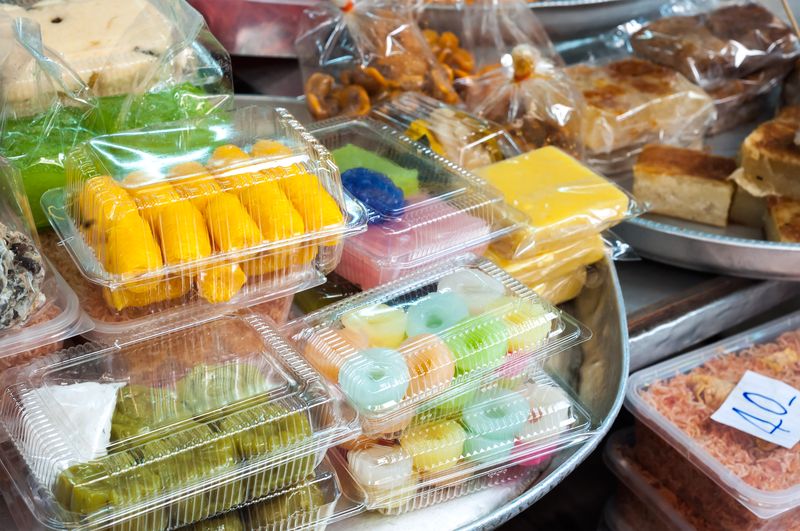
(436, 446)
(476, 288)
(375, 378)
(382, 325)
(430, 362)
(435, 313)
(478, 342)
(528, 323)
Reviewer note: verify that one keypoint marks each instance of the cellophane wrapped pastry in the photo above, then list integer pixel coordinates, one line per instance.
(38, 310)
(168, 224)
(731, 479)
(632, 102)
(167, 431)
(356, 54)
(74, 69)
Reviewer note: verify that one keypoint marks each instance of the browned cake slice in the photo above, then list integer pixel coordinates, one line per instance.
(782, 221)
(684, 183)
(771, 156)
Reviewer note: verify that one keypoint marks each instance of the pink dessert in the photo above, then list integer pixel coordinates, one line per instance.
(429, 230)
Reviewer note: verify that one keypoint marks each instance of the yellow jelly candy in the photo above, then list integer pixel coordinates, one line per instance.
(436, 446)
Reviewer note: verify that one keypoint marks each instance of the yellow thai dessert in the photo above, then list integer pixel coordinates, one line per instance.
(102, 202)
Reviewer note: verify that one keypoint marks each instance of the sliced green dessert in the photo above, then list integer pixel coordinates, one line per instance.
(142, 409)
(209, 389)
(285, 511)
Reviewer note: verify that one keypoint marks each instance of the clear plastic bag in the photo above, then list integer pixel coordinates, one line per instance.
(73, 69)
(354, 55)
(204, 420)
(732, 41)
(534, 100)
(38, 310)
(169, 222)
(564, 200)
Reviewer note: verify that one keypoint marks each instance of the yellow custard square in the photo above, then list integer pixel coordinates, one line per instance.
(561, 197)
(559, 262)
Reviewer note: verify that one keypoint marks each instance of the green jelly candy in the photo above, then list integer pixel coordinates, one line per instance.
(352, 156)
(478, 343)
(207, 389)
(142, 409)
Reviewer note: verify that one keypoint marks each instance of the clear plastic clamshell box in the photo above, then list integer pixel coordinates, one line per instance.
(738, 480)
(510, 429)
(456, 135)
(38, 310)
(421, 207)
(430, 340)
(170, 222)
(641, 502)
(167, 431)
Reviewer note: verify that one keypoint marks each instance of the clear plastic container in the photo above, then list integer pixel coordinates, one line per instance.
(729, 42)
(167, 431)
(641, 501)
(430, 340)
(422, 208)
(632, 102)
(565, 201)
(510, 430)
(39, 311)
(456, 135)
(334, 289)
(738, 481)
(171, 236)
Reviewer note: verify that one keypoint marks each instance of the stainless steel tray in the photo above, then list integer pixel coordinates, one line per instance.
(734, 250)
(597, 370)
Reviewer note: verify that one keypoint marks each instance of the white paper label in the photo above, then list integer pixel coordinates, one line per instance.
(763, 407)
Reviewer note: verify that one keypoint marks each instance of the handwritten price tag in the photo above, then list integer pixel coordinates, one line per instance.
(765, 408)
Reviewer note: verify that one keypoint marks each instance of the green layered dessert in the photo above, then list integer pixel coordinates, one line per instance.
(210, 389)
(38, 145)
(289, 506)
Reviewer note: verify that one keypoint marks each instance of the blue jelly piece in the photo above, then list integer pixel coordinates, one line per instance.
(435, 313)
(484, 449)
(499, 414)
(375, 379)
(375, 190)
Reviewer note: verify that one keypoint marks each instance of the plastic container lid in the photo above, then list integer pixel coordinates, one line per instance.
(38, 308)
(456, 135)
(630, 474)
(167, 431)
(422, 208)
(677, 397)
(509, 429)
(169, 234)
(428, 341)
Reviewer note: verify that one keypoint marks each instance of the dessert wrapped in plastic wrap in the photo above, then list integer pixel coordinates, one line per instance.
(632, 102)
(428, 341)
(422, 208)
(732, 478)
(504, 431)
(167, 431)
(460, 137)
(565, 201)
(74, 69)
(169, 222)
(729, 42)
(472, 37)
(533, 98)
(356, 54)
(38, 311)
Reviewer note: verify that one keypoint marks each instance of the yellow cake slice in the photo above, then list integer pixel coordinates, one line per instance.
(684, 183)
(771, 155)
(782, 222)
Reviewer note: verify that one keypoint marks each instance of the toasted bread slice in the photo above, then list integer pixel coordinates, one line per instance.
(771, 156)
(684, 183)
(782, 222)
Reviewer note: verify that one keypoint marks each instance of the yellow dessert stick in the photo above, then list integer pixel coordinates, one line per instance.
(181, 230)
(229, 224)
(152, 198)
(231, 168)
(102, 202)
(220, 283)
(193, 182)
(268, 148)
(159, 292)
(130, 249)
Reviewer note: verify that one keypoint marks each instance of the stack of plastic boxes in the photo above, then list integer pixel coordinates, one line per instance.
(444, 369)
(690, 468)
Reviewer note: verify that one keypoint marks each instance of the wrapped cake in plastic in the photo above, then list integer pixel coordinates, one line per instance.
(456, 135)
(73, 69)
(429, 341)
(422, 209)
(169, 222)
(38, 311)
(730, 42)
(707, 424)
(356, 54)
(164, 432)
(565, 201)
(632, 102)
(502, 432)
